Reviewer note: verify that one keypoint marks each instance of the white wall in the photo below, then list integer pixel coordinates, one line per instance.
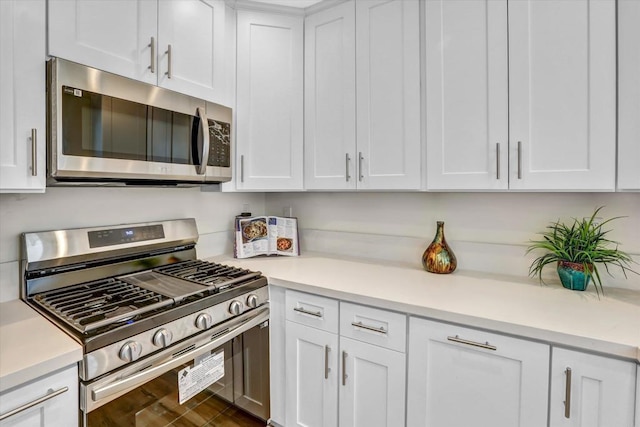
(64, 207)
(488, 232)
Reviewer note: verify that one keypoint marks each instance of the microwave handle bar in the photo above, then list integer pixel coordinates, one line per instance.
(204, 127)
(142, 377)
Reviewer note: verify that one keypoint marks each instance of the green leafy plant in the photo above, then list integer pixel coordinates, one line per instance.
(583, 242)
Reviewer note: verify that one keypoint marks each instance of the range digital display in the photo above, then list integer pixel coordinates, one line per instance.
(118, 236)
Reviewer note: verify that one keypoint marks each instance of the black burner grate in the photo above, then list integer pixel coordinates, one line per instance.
(92, 305)
(207, 273)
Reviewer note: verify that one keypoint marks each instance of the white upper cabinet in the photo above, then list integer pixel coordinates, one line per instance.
(629, 96)
(362, 96)
(523, 99)
(194, 32)
(177, 44)
(591, 391)
(22, 96)
(466, 95)
(114, 36)
(330, 99)
(388, 94)
(269, 105)
(562, 94)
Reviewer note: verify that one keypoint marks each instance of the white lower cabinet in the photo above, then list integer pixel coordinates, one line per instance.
(372, 391)
(354, 378)
(50, 401)
(460, 377)
(311, 376)
(591, 391)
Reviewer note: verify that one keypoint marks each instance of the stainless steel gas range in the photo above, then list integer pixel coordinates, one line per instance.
(146, 310)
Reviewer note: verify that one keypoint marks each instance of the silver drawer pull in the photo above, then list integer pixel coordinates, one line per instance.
(473, 343)
(310, 313)
(381, 329)
(50, 395)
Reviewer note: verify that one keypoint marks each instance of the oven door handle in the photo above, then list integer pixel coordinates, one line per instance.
(146, 375)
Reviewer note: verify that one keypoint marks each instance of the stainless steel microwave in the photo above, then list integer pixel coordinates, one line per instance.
(107, 129)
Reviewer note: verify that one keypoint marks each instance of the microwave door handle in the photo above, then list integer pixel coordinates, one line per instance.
(143, 376)
(204, 154)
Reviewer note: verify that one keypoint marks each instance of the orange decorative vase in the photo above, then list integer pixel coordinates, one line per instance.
(439, 258)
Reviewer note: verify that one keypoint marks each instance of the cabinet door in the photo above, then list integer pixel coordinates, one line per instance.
(269, 102)
(461, 377)
(330, 99)
(628, 95)
(111, 35)
(193, 31)
(600, 391)
(22, 96)
(388, 94)
(562, 94)
(373, 385)
(312, 376)
(466, 94)
(60, 410)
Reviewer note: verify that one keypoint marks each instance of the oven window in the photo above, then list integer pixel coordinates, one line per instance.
(156, 404)
(100, 126)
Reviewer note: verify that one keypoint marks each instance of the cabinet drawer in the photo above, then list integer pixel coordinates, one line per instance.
(373, 325)
(312, 310)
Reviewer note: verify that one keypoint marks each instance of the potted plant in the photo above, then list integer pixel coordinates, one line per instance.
(576, 250)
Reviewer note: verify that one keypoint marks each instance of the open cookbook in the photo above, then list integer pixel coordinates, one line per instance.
(266, 235)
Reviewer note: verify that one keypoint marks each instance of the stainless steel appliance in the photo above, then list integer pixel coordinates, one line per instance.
(145, 308)
(107, 129)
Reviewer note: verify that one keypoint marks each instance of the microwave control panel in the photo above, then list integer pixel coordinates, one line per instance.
(219, 144)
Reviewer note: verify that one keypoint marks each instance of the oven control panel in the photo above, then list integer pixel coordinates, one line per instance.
(108, 358)
(118, 236)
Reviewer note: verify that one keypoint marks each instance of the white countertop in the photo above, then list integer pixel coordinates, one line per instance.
(31, 346)
(517, 306)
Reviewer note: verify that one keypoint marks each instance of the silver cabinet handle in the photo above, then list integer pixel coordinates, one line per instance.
(326, 361)
(381, 329)
(50, 395)
(347, 160)
(360, 159)
(567, 393)
(168, 52)
(473, 343)
(498, 160)
(204, 127)
(34, 152)
(242, 168)
(519, 159)
(152, 45)
(311, 313)
(344, 368)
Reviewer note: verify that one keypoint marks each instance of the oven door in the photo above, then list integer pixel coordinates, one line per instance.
(147, 390)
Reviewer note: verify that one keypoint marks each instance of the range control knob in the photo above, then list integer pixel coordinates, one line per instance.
(130, 351)
(235, 307)
(162, 338)
(252, 301)
(203, 321)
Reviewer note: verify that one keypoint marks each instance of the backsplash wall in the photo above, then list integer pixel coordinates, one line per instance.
(488, 232)
(64, 207)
